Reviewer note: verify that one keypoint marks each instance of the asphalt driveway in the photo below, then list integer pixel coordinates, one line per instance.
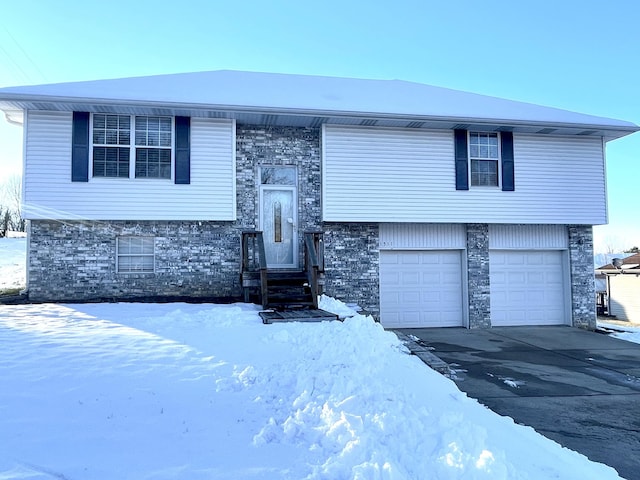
(579, 388)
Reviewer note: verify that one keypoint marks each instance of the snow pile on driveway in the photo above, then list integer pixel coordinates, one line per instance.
(179, 391)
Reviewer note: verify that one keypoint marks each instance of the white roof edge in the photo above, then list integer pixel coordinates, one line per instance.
(307, 95)
(621, 127)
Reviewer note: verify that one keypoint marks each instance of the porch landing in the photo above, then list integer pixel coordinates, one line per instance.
(296, 315)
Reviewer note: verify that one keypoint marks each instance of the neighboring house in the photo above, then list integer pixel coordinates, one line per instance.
(622, 280)
(602, 299)
(438, 207)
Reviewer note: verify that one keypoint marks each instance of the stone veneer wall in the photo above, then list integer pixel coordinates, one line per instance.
(583, 290)
(478, 275)
(76, 261)
(73, 260)
(352, 264)
(279, 146)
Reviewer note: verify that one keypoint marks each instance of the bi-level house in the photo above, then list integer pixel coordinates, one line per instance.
(426, 206)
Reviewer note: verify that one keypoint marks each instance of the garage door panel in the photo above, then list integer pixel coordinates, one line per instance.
(533, 259)
(410, 279)
(429, 278)
(450, 278)
(390, 259)
(527, 288)
(421, 288)
(410, 298)
(426, 259)
(515, 260)
(516, 278)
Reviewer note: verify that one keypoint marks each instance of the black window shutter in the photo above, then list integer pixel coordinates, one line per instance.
(508, 174)
(183, 150)
(462, 160)
(80, 147)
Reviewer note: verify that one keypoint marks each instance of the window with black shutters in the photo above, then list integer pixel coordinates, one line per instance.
(120, 151)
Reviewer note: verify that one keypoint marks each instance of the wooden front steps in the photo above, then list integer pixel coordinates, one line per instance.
(282, 289)
(287, 289)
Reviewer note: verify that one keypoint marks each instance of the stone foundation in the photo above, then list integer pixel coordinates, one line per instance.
(583, 290)
(352, 264)
(76, 261)
(478, 275)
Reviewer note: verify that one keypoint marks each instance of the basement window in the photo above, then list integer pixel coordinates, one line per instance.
(135, 254)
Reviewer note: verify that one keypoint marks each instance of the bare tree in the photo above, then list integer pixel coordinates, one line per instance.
(3, 225)
(12, 194)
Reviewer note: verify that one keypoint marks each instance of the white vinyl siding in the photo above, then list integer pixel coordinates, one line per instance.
(531, 237)
(419, 236)
(528, 287)
(49, 192)
(408, 175)
(625, 297)
(421, 289)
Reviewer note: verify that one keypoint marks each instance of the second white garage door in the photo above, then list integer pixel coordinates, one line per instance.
(527, 288)
(421, 288)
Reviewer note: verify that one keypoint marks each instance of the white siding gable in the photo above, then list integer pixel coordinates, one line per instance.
(408, 175)
(50, 193)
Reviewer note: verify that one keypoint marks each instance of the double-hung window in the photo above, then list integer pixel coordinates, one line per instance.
(126, 146)
(484, 156)
(135, 254)
(111, 140)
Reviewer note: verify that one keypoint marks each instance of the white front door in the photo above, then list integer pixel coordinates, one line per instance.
(278, 222)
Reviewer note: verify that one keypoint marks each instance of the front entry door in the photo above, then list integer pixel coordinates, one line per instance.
(278, 221)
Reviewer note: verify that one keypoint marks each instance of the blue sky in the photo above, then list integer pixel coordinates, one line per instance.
(580, 55)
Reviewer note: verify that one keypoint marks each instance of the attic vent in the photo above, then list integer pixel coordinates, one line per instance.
(218, 115)
(546, 131)
(461, 127)
(269, 119)
(318, 121)
(368, 123)
(588, 132)
(415, 124)
(44, 106)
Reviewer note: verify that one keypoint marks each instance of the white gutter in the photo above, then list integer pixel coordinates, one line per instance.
(623, 129)
(10, 113)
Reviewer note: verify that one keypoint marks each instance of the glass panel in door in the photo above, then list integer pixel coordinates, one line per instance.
(278, 223)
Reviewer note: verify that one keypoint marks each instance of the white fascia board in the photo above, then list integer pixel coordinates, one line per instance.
(617, 128)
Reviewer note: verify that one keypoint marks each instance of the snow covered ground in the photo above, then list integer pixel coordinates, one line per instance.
(628, 333)
(12, 263)
(178, 391)
(182, 391)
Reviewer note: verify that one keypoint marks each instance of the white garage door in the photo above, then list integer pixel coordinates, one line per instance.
(421, 289)
(527, 288)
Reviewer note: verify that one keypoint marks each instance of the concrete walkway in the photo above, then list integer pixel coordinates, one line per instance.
(579, 388)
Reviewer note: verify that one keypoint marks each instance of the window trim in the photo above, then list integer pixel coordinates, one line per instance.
(132, 150)
(497, 160)
(130, 255)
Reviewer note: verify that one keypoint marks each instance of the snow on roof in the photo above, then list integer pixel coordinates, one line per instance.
(304, 93)
(629, 262)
